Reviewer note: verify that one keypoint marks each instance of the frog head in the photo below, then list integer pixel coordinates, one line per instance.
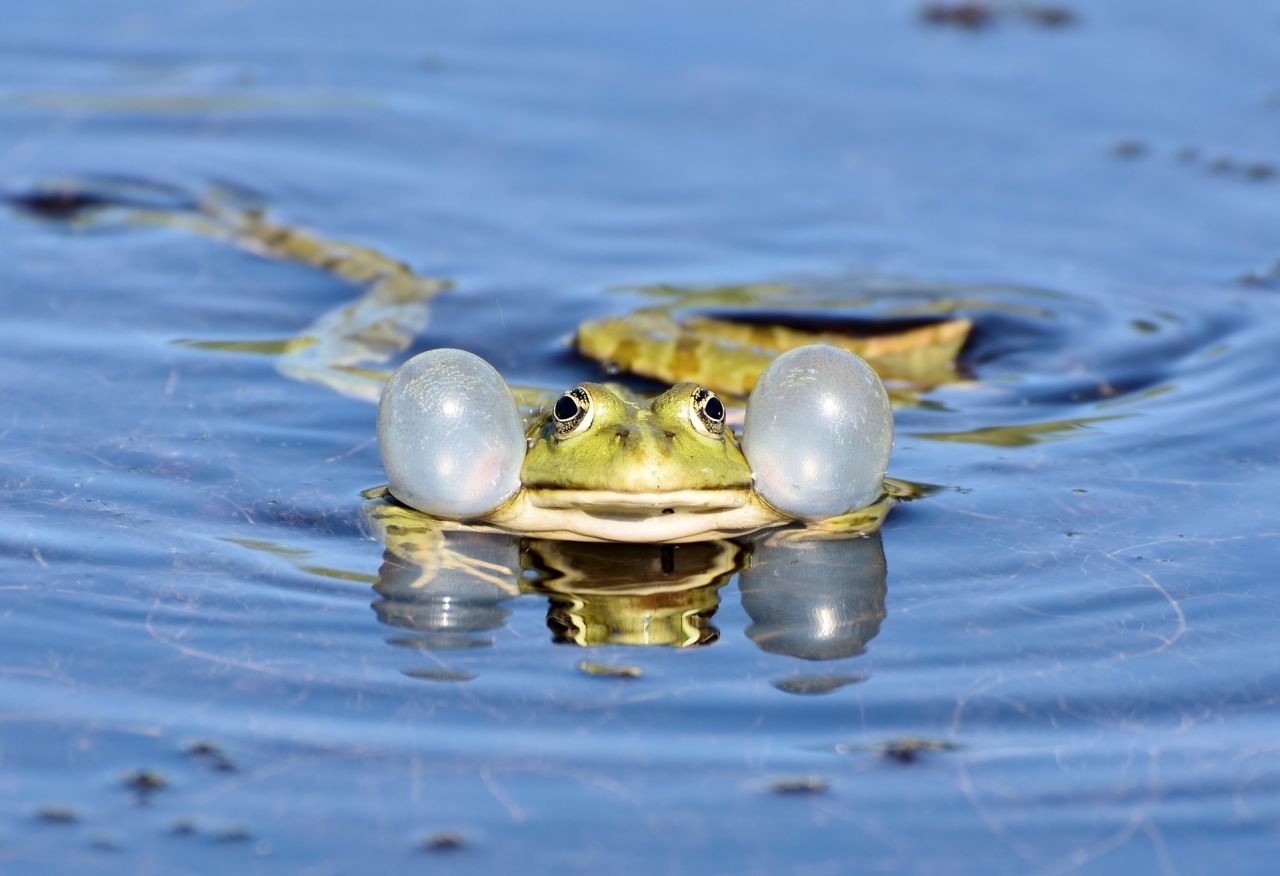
(601, 447)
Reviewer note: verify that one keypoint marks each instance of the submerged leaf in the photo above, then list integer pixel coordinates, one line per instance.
(729, 356)
(609, 670)
(277, 347)
(1020, 435)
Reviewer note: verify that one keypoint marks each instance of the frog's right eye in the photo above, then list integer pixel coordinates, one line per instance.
(572, 414)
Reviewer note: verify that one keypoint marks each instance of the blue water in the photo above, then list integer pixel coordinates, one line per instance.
(1084, 623)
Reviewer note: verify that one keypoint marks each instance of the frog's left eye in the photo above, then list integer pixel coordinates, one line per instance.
(708, 412)
(572, 413)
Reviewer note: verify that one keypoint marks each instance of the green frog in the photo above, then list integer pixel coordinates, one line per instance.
(601, 463)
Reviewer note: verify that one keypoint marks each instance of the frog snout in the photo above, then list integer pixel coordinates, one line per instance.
(642, 444)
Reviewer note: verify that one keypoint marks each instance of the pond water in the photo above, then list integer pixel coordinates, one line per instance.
(1062, 660)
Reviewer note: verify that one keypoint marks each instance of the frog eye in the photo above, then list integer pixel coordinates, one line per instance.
(708, 412)
(450, 434)
(572, 414)
(818, 432)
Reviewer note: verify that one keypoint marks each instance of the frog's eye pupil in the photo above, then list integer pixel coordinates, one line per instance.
(709, 411)
(572, 413)
(566, 408)
(714, 409)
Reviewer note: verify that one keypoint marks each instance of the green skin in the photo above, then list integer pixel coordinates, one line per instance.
(631, 444)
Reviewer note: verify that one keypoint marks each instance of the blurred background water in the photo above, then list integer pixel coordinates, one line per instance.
(1078, 629)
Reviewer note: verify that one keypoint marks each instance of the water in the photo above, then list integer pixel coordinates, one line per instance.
(1082, 618)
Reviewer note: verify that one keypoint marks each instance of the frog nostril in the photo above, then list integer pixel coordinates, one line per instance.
(623, 435)
(671, 436)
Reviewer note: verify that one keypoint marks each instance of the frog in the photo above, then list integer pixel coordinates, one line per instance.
(603, 463)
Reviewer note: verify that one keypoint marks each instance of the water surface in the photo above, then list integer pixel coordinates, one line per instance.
(1080, 621)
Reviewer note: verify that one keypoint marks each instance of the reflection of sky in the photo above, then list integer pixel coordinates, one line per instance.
(726, 141)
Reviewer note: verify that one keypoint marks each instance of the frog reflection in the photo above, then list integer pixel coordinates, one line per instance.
(632, 594)
(444, 604)
(816, 600)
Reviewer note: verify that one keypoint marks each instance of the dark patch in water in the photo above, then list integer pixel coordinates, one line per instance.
(854, 326)
(799, 786)
(1231, 166)
(444, 842)
(211, 753)
(56, 203)
(976, 16)
(57, 815)
(145, 781)
(909, 749)
(1129, 149)
(65, 201)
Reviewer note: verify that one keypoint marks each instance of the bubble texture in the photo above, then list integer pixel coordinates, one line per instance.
(818, 432)
(450, 435)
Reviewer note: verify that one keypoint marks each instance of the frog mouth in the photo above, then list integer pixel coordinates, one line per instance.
(640, 504)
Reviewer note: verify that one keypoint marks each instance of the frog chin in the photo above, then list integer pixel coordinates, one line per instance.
(644, 517)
